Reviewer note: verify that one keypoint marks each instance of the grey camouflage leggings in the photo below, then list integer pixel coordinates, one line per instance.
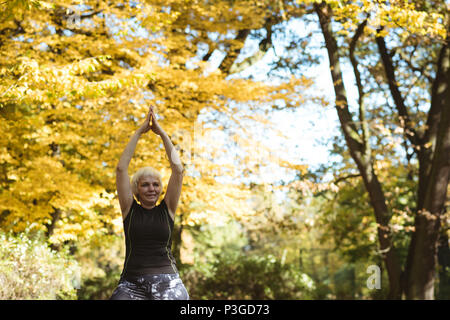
(151, 287)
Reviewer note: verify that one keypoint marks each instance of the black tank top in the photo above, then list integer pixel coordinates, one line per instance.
(148, 239)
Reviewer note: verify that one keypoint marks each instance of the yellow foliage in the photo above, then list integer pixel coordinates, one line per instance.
(391, 14)
(72, 95)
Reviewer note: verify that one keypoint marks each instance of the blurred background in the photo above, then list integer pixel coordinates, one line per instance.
(314, 136)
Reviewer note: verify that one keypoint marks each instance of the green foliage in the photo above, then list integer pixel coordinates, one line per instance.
(225, 269)
(247, 276)
(102, 260)
(99, 288)
(346, 217)
(30, 269)
(212, 242)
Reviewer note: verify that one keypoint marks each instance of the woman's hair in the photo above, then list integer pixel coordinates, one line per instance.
(145, 171)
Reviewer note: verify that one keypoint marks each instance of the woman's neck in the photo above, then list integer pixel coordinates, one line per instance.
(148, 205)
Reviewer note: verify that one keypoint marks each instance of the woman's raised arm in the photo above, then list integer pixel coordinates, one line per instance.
(123, 184)
(176, 178)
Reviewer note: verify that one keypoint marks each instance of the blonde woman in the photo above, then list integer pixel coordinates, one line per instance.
(149, 271)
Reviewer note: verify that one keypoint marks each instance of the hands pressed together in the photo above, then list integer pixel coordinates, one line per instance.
(151, 123)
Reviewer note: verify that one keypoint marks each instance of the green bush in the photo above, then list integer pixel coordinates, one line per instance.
(248, 277)
(100, 287)
(30, 269)
(102, 259)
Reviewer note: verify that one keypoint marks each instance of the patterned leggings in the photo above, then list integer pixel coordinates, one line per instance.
(151, 287)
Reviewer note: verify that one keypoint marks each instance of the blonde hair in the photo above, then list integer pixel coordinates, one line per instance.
(145, 171)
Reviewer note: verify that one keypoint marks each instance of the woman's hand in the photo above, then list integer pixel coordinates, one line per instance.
(154, 125)
(151, 123)
(145, 127)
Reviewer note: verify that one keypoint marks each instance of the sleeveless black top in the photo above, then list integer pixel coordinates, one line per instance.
(148, 239)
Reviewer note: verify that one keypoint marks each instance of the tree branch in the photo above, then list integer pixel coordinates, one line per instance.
(234, 51)
(405, 120)
(348, 126)
(361, 94)
(437, 93)
(346, 178)
(264, 46)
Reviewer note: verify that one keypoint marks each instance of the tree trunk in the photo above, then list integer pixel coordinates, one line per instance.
(444, 268)
(433, 153)
(422, 255)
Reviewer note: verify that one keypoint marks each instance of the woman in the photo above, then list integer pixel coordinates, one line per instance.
(149, 271)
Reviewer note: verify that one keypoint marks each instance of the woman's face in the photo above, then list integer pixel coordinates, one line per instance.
(149, 189)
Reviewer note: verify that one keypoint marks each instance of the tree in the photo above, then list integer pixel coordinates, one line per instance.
(427, 133)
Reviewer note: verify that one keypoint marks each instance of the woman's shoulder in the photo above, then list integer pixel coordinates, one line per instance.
(163, 205)
(134, 204)
(165, 208)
